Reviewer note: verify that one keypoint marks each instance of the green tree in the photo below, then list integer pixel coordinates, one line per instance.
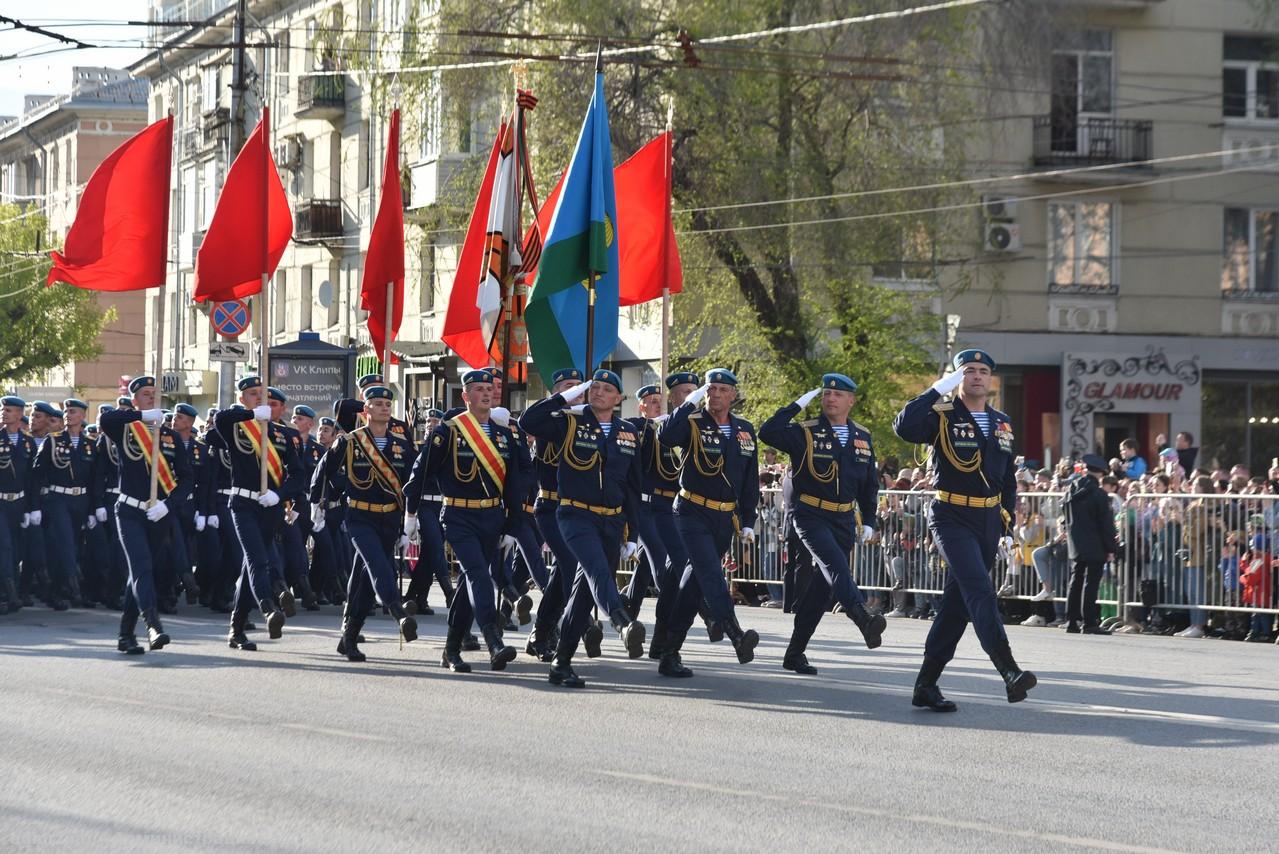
(40, 327)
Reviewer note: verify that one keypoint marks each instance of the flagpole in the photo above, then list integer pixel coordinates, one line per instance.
(666, 272)
(590, 322)
(264, 299)
(386, 338)
(159, 350)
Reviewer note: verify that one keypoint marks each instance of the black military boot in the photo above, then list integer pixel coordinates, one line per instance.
(500, 654)
(310, 601)
(539, 643)
(237, 639)
(658, 644)
(288, 604)
(927, 694)
(470, 643)
(274, 618)
(128, 644)
(1016, 681)
(671, 664)
(520, 603)
(128, 641)
(591, 640)
(631, 632)
(191, 587)
(349, 643)
(872, 627)
(73, 591)
(452, 657)
(12, 603)
(562, 672)
(714, 631)
(156, 638)
(795, 660)
(744, 641)
(408, 625)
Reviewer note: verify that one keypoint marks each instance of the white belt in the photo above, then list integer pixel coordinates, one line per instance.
(68, 490)
(242, 493)
(10, 496)
(130, 501)
(333, 505)
(438, 499)
(113, 492)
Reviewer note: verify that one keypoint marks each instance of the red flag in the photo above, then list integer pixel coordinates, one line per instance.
(384, 261)
(251, 226)
(645, 231)
(462, 331)
(119, 240)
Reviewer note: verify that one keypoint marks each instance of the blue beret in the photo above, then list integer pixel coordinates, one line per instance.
(378, 392)
(646, 391)
(838, 381)
(973, 356)
(434, 413)
(721, 375)
(274, 393)
(606, 376)
(212, 411)
(12, 400)
(46, 408)
(304, 410)
(76, 402)
(497, 373)
(26, 419)
(91, 428)
(104, 407)
(682, 377)
(186, 409)
(326, 421)
(566, 374)
(124, 401)
(251, 381)
(140, 383)
(480, 375)
(1094, 463)
(368, 380)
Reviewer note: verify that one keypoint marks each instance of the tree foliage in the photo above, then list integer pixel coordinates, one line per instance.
(40, 327)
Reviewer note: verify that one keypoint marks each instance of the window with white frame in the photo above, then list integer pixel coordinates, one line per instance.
(1082, 87)
(1250, 79)
(1250, 251)
(209, 187)
(209, 87)
(1081, 246)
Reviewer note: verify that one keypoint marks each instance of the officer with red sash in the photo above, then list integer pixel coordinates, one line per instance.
(142, 527)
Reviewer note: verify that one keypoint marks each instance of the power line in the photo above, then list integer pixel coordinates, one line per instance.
(41, 31)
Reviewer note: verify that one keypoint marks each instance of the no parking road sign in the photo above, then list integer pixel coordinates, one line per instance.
(230, 318)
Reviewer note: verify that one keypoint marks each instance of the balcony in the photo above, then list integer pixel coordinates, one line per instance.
(1092, 141)
(318, 220)
(322, 97)
(216, 125)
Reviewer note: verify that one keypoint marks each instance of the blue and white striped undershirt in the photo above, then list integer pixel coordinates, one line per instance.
(75, 441)
(13, 438)
(381, 443)
(607, 427)
(841, 433)
(726, 429)
(983, 421)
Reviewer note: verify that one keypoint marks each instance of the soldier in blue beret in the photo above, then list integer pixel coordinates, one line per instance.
(289, 561)
(62, 477)
(191, 518)
(599, 488)
(972, 514)
(124, 402)
(17, 451)
(836, 494)
(649, 398)
(105, 491)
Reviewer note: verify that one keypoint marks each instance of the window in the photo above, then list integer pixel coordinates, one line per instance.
(209, 87)
(1082, 86)
(280, 302)
(1081, 246)
(1250, 248)
(1250, 79)
(208, 192)
(186, 219)
(426, 283)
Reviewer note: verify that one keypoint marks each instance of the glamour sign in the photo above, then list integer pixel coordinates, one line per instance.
(1133, 391)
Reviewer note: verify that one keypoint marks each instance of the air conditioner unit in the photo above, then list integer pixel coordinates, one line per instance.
(1002, 237)
(1003, 208)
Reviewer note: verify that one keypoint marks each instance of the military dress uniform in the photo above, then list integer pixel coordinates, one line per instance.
(473, 463)
(17, 450)
(369, 473)
(718, 496)
(256, 515)
(330, 553)
(835, 498)
(142, 527)
(63, 478)
(184, 543)
(290, 564)
(599, 489)
(432, 562)
(973, 473)
(106, 489)
(310, 451)
(230, 561)
(523, 538)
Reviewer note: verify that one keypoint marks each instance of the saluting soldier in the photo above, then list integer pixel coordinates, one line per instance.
(599, 489)
(63, 479)
(368, 467)
(141, 524)
(256, 515)
(17, 450)
(973, 473)
(836, 494)
(718, 496)
(472, 459)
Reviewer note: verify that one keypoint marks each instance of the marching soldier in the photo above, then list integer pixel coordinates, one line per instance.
(599, 488)
(63, 480)
(255, 514)
(431, 560)
(310, 450)
(973, 473)
(719, 494)
(190, 519)
(836, 493)
(330, 560)
(368, 467)
(141, 524)
(106, 489)
(17, 451)
(289, 546)
(646, 573)
(34, 578)
(473, 461)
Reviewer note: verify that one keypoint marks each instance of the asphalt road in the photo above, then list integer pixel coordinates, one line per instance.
(1129, 743)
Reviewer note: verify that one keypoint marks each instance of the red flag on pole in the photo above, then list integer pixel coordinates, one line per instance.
(245, 235)
(384, 261)
(119, 240)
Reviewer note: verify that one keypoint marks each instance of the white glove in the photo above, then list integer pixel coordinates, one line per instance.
(577, 410)
(317, 518)
(949, 383)
(659, 419)
(868, 533)
(91, 522)
(501, 415)
(214, 522)
(269, 498)
(404, 542)
(1006, 543)
(26, 520)
(262, 413)
(35, 517)
(157, 511)
(411, 524)
(200, 522)
(629, 550)
(575, 392)
(697, 395)
(101, 513)
(807, 397)
(508, 542)
(748, 534)
(153, 416)
(290, 516)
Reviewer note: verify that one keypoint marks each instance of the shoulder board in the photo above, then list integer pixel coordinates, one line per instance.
(996, 415)
(861, 427)
(943, 407)
(696, 416)
(810, 423)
